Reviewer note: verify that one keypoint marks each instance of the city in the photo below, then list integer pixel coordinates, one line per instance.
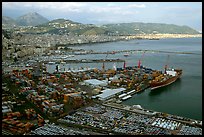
(61, 77)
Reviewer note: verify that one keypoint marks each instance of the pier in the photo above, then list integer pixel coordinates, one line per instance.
(84, 61)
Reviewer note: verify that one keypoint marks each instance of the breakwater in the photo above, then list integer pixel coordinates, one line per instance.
(84, 61)
(131, 51)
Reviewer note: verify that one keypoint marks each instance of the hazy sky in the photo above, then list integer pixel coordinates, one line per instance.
(179, 13)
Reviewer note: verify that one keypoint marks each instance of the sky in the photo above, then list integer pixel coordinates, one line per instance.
(178, 13)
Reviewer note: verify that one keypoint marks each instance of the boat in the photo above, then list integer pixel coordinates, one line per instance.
(168, 78)
(51, 63)
(126, 54)
(113, 52)
(63, 57)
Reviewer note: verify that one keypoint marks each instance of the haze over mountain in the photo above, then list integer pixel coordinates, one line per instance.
(8, 22)
(65, 26)
(31, 19)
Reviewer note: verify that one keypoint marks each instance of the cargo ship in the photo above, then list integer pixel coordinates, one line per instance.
(169, 77)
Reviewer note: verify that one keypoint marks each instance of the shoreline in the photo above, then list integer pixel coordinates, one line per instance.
(140, 37)
(119, 38)
(162, 36)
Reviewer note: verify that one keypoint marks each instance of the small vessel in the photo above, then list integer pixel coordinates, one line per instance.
(126, 54)
(63, 57)
(113, 52)
(51, 63)
(168, 78)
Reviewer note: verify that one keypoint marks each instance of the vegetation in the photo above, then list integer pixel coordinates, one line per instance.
(147, 28)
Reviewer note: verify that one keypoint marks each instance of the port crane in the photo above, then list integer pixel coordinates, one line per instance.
(103, 67)
(139, 62)
(125, 63)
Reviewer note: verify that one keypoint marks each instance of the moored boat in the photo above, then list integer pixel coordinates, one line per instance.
(169, 77)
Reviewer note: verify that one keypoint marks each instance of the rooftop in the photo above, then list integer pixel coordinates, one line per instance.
(95, 82)
(109, 92)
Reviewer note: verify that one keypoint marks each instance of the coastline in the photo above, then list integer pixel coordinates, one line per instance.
(162, 36)
(78, 41)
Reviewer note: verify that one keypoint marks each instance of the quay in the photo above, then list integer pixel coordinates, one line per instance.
(128, 120)
(128, 108)
(84, 61)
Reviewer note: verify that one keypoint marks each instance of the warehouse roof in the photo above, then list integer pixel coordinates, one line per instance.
(95, 82)
(109, 92)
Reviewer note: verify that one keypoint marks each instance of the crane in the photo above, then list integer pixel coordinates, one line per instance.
(139, 62)
(103, 67)
(125, 63)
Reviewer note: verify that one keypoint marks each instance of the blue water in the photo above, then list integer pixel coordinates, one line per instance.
(184, 97)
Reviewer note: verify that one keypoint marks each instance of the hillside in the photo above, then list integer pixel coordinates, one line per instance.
(63, 26)
(36, 24)
(148, 28)
(8, 22)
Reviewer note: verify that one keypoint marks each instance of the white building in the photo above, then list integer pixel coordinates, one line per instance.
(108, 93)
(95, 82)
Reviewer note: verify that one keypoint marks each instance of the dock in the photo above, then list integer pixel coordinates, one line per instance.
(84, 61)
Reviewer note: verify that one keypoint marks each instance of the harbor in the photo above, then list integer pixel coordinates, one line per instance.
(93, 98)
(101, 68)
(111, 87)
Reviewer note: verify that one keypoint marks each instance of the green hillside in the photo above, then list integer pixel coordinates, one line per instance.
(63, 26)
(148, 28)
(36, 24)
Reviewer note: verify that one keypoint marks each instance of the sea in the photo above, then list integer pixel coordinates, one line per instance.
(182, 98)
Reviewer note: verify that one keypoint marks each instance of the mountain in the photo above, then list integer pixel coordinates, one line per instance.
(8, 22)
(38, 24)
(148, 28)
(31, 19)
(63, 26)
